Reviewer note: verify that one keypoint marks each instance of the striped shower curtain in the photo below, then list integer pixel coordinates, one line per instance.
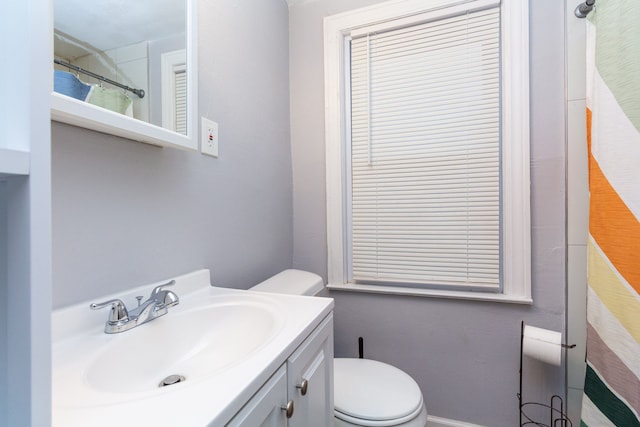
(612, 382)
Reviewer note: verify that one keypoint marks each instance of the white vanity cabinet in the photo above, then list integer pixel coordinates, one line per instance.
(265, 407)
(310, 379)
(305, 381)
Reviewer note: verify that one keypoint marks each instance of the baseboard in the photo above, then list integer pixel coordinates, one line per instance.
(445, 422)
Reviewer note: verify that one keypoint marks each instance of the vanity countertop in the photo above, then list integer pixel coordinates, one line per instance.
(110, 379)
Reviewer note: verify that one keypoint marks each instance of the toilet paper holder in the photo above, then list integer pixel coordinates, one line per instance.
(557, 414)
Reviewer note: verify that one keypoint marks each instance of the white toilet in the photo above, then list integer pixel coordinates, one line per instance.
(366, 392)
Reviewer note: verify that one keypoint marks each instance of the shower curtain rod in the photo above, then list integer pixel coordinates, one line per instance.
(139, 92)
(584, 8)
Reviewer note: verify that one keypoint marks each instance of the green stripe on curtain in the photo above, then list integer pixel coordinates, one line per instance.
(607, 402)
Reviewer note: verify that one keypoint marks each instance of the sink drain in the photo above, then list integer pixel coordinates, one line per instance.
(171, 380)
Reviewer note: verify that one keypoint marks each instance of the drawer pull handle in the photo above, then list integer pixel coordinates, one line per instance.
(303, 387)
(288, 409)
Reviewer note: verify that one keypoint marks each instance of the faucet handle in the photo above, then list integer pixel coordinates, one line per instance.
(159, 288)
(118, 310)
(164, 297)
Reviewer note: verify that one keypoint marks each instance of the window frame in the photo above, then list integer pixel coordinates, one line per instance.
(516, 228)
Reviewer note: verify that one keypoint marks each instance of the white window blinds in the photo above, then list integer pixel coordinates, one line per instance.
(425, 153)
(180, 93)
(174, 90)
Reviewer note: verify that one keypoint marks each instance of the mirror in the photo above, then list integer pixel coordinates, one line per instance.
(127, 68)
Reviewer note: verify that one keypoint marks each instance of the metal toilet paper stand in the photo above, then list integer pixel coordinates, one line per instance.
(557, 416)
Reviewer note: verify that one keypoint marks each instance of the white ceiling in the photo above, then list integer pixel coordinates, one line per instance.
(106, 24)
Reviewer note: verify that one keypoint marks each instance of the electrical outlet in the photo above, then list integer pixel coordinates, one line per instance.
(209, 137)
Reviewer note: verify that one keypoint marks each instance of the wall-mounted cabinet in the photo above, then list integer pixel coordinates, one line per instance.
(114, 78)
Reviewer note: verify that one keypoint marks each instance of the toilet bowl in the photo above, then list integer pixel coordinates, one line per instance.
(366, 392)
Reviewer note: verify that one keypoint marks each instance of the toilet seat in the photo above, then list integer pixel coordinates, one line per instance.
(372, 393)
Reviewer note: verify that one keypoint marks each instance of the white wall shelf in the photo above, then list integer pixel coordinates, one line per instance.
(14, 162)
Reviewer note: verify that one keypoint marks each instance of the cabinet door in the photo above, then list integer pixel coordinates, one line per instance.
(312, 362)
(265, 407)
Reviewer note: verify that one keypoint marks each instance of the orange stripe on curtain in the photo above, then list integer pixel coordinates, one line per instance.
(613, 225)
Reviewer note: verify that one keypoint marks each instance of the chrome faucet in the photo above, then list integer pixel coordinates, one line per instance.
(120, 319)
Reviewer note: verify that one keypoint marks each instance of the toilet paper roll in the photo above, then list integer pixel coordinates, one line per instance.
(542, 344)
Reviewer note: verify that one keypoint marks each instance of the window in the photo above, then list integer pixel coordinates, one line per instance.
(427, 149)
(174, 90)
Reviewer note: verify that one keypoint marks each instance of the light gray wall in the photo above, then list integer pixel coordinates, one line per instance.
(464, 355)
(4, 301)
(127, 214)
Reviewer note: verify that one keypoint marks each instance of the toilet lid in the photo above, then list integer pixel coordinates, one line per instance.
(293, 282)
(371, 390)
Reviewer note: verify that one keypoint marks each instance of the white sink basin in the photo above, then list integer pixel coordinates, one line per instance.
(193, 344)
(225, 342)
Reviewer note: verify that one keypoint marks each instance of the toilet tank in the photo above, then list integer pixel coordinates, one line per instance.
(295, 282)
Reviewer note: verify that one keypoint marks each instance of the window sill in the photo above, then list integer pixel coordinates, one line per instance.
(431, 293)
